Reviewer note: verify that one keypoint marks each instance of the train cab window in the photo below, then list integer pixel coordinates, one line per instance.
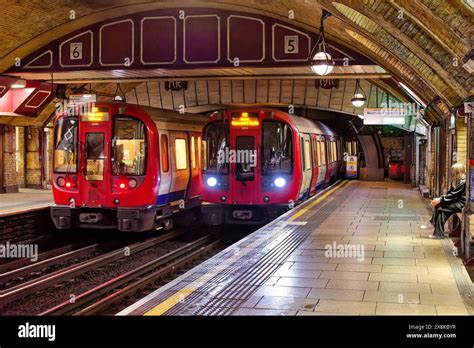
(94, 156)
(181, 154)
(165, 163)
(307, 155)
(193, 153)
(129, 151)
(277, 148)
(65, 145)
(215, 140)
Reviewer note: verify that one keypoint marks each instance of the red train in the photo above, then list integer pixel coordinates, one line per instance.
(125, 167)
(258, 163)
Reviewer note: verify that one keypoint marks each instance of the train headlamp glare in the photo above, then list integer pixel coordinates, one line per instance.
(279, 182)
(211, 182)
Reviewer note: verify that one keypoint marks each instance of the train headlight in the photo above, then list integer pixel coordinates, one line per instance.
(279, 182)
(211, 182)
(132, 183)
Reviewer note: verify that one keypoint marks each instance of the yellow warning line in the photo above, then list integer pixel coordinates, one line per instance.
(180, 295)
(316, 201)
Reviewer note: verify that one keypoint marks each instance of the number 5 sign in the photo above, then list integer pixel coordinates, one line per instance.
(75, 51)
(291, 44)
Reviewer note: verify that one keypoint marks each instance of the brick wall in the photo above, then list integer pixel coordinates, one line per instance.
(33, 164)
(20, 155)
(10, 175)
(461, 140)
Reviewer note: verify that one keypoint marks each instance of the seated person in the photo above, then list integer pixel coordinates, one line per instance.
(447, 205)
(118, 164)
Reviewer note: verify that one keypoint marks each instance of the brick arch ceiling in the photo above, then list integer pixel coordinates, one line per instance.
(417, 41)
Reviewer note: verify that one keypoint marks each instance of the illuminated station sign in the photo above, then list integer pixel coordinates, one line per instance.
(384, 116)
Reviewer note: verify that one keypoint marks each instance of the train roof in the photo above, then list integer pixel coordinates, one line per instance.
(307, 125)
(159, 115)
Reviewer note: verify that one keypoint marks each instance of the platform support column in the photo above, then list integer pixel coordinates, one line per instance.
(467, 213)
(33, 158)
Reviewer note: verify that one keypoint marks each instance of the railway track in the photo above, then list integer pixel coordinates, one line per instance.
(105, 295)
(49, 280)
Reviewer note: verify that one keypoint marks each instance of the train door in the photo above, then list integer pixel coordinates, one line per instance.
(179, 161)
(322, 163)
(95, 171)
(314, 180)
(306, 166)
(165, 172)
(244, 166)
(327, 145)
(194, 186)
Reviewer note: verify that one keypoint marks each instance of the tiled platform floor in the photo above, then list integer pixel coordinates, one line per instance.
(26, 199)
(401, 272)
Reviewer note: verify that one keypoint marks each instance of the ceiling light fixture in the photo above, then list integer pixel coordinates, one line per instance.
(320, 58)
(118, 97)
(359, 97)
(19, 84)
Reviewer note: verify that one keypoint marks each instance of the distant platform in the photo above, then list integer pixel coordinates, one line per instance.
(25, 201)
(382, 263)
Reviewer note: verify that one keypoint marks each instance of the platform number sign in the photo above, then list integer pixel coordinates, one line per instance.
(75, 51)
(291, 44)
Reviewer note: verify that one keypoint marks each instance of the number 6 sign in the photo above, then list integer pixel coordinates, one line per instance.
(75, 51)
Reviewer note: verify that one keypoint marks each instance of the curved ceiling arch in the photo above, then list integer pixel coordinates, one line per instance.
(307, 15)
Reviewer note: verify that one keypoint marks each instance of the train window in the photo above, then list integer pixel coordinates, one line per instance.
(65, 145)
(307, 155)
(165, 162)
(198, 152)
(323, 152)
(318, 152)
(94, 156)
(303, 157)
(215, 140)
(314, 153)
(204, 155)
(180, 154)
(333, 151)
(129, 151)
(193, 153)
(277, 148)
